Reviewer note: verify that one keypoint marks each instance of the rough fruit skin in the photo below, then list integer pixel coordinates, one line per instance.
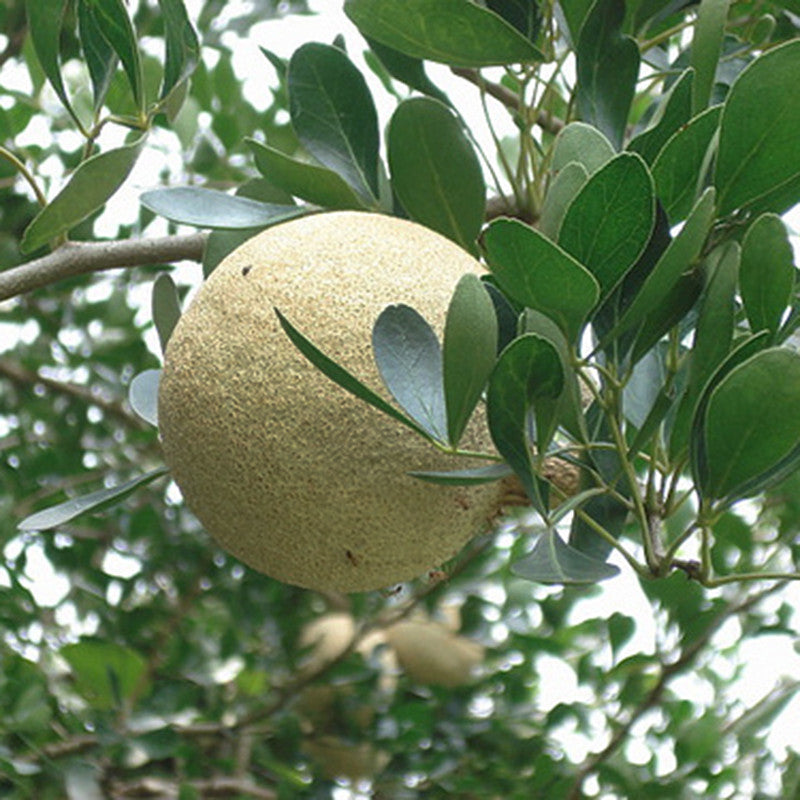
(289, 472)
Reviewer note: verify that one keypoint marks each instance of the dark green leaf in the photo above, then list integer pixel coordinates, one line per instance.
(742, 441)
(679, 258)
(607, 67)
(45, 19)
(100, 56)
(106, 673)
(89, 187)
(111, 17)
(574, 13)
(210, 208)
(679, 171)
(470, 350)
(466, 477)
(342, 377)
(166, 308)
(182, 46)
(528, 369)
(552, 561)
(766, 275)
(507, 315)
(143, 395)
(407, 69)
(713, 336)
(310, 182)
(524, 15)
(709, 31)
(608, 224)
(560, 194)
(409, 360)
(741, 352)
(673, 308)
(435, 171)
(674, 110)
(334, 116)
(538, 274)
(566, 410)
(454, 32)
(584, 144)
(60, 514)
(758, 165)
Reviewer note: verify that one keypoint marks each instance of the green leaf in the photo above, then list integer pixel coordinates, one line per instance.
(88, 188)
(106, 673)
(752, 422)
(454, 32)
(408, 70)
(143, 395)
(766, 275)
(210, 208)
(675, 305)
(674, 110)
(607, 69)
(60, 514)
(560, 194)
(678, 169)
(101, 59)
(679, 257)
(334, 116)
(566, 410)
(181, 44)
(713, 336)
(758, 165)
(435, 171)
(742, 350)
(709, 31)
(608, 224)
(166, 308)
(552, 561)
(310, 182)
(111, 17)
(574, 13)
(538, 274)
(45, 19)
(524, 15)
(409, 360)
(466, 477)
(340, 376)
(584, 144)
(528, 369)
(470, 349)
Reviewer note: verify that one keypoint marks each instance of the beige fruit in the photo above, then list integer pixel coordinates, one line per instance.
(287, 471)
(430, 653)
(340, 759)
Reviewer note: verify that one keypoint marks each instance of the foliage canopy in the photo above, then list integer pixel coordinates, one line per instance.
(638, 321)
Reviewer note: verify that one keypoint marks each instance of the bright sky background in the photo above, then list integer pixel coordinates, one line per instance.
(766, 658)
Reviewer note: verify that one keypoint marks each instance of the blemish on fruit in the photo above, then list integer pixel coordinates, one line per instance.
(246, 269)
(352, 558)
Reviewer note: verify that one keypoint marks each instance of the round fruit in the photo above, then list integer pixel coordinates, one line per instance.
(430, 653)
(289, 472)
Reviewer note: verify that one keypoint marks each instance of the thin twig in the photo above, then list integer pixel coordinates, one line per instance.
(26, 378)
(508, 98)
(668, 672)
(82, 258)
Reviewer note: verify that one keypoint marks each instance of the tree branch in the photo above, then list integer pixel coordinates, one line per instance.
(668, 673)
(27, 379)
(508, 98)
(81, 258)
